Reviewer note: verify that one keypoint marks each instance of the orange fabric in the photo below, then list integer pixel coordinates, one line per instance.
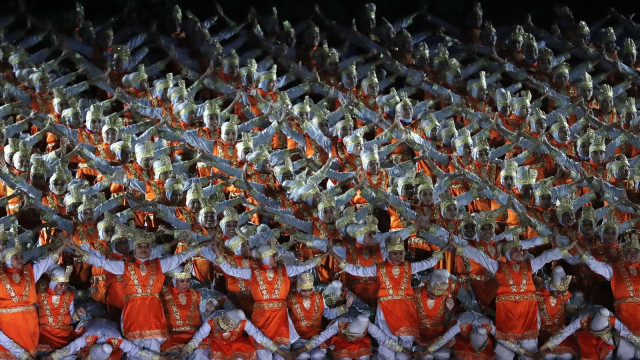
(366, 289)
(431, 316)
(142, 290)
(269, 289)
(350, 349)
(54, 319)
(516, 306)
(182, 311)
(238, 290)
(592, 347)
(306, 321)
(230, 345)
(625, 284)
(83, 234)
(22, 326)
(395, 298)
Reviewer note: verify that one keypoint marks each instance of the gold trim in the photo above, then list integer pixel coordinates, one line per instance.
(16, 309)
(263, 305)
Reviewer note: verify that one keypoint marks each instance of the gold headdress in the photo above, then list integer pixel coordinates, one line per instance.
(113, 122)
(480, 143)
(588, 213)
(508, 245)
(16, 249)
(229, 214)
(606, 91)
(305, 281)
(107, 221)
(247, 140)
(177, 184)
(210, 107)
(464, 137)
(395, 243)
(586, 81)
(632, 243)
(38, 166)
(530, 40)
(232, 58)
(446, 199)
(195, 192)
(561, 69)
(65, 277)
(370, 224)
(564, 204)
(231, 124)
(517, 34)
(326, 200)
(74, 195)
(629, 46)
(226, 323)
(424, 182)
(545, 53)
(162, 164)
(543, 188)
(582, 28)
(141, 237)
(609, 35)
(510, 169)
(370, 155)
(598, 144)
(184, 274)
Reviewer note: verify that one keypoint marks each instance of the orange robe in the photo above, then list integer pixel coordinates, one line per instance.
(230, 345)
(431, 316)
(483, 282)
(592, 346)
(269, 289)
(238, 290)
(306, 314)
(350, 348)
(83, 234)
(182, 311)
(625, 284)
(19, 318)
(365, 288)
(516, 305)
(142, 286)
(552, 320)
(395, 298)
(54, 318)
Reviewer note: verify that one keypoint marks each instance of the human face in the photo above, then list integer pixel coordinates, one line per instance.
(17, 262)
(146, 163)
(313, 38)
(508, 181)
(369, 238)
(94, 124)
(583, 148)
(396, 256)
(568, 218)
(122, 245)
(504, 109)
(482, 93)
(143, 250)
(609, 235)
(357, 149)
(273, 260)
(350, 80)
(61, 288)
(230, 135)
(38, 180)
(110, 136)
(373, 89)
(373, 167)
(74, 121)
(530, 52)
(245, 249)
(622, 173)
(407, 191)
(125, 154)
(245, 152)
(540, 125)
(631, 256)
(586, 227)
(544, 65)
(271, 85)
(561, 79)
(209, 220)
(230, 228)
(545, 201)
(194, 205)
(324, 128)
(72, 209)
(524, 111)
(469, 230)
(606, 105)
(87, 216)
(526, 191)
(426, 196)
(212, 121)
(44, 84)
(163, 176)
(487, 232)
(483, 156)
(233, 69)
(21, 163)
(346, 131)
(466, 150)
(183, 285)
(108, 232)
(516, 253)
(450, 212)
(175, 197)
(563, 134)
(585, 93)
(407, 112)
(597, 156)
(329, 214)
(306, 293)
(489, 38)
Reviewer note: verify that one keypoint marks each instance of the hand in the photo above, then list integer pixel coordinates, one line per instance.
(449, 303)
(286, 354)
(349, 302)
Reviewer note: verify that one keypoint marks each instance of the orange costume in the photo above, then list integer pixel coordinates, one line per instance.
(54, 317)
(183, 316)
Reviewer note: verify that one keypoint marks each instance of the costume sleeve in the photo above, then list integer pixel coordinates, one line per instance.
(325, 335)
(479, 257)
(200, 335)
(259, 337)
(42, 265)
(556, 339)
(16, 350)
(362, 271)
(171, 262)
(234, 271)
(547, 256)
(600, 268)
(382, 338)
(115, 267)
(445, 338)
(70, 349)
(293, 270)
(416, 267)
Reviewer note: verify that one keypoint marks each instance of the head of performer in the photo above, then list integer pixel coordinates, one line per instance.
(545, 58)
(269, 81)
(304, 284)
(488, 35)
(229, 320)
(239, 244)
(513, 251)
(137, 80)
(582, 34)
(211, 115)
(365, 231)
(181, 277)
(516, 39)
(628, 113)
(144, 154)
(608, 40)
(111, 128)
(395, 249)
(72, 117)
(609, 231)
(480, 151)
(122, 149)
(267, 254)
(59, 283)
(38, 172)
(438, 283)
(41, 81)
(86, 210)
(194, 198)
(187, 112)
(288, 35)
(561, 75)
(559, 282)
(429, 124)
(311, 35)
(605, 98)
(468, 226)
(120, 239)
(121, 55)
(448, 206)
(583, 143)
(73, 200)
(357, 327)
(229, 222)
(587, 220)
(332, 293)
(327, 208)
(141, 244)
(259, 158)
(597, 150)
(350, 77)
(628, 54)
(161, 86)
(463, 143)
(93, 118)
(106, 227)
(173, 189)
(162, 168)
(585, 88)
(207, 215)
(424, 189)
(564, 211)
(529, 48)
(503, 101)
(22, 158)
(486, 223)
(231, 64)
(370, 160)
(421, 57)
(478, 87)
(229, 131)
(366, 19)
(619, 167)
(542, 193)
(249, 74)
(631, 250)
(522, 105)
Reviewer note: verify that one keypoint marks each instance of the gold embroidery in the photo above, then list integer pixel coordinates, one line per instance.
(316, 317)
(9, 288)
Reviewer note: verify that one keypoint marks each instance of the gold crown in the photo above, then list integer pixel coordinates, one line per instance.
(598, 144)
(530, 40)
(586, 81)
(510, 168)
(305, 282)
(564, 204)
(287, 167)
(326, 200)
(545, 53)
(609, 35)
(508, 245)
(352, 140)
(113, 122)
(64, 278)
(184, 274)
(588, 213)
(583, 28)
(424, 182)
(195, 192)
(185, 108)
(141, 237)
(268, 253)
(503, 97)
(122, 231)
(632, 242)
(563, 285)
(235, 242)
(232, 123)
(16, 249)
(226, 323)
(247, 140)
(351, 69)
(177, 184)
(38, 166)
(164, 83)
(588, 136)
(74, 195)
(232, 58)
(466, 218)
(481, 82)
(561, 122)
(370, 224)
(162, 164)
(422, 52)
(210, 107)
(464, 137)
(606, 91)
(139, 75)
(303, 106)
(144, 150)
(439, 289)
(446, 199)
(481, 143)
(543, 188)
(561, 68)
(229, 214)
(518, 33)
(395, 243)
(370, 155)
(485, 217)
(629, 46)
(107, 221)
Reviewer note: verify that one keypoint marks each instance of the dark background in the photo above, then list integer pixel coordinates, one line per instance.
(499, 12)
